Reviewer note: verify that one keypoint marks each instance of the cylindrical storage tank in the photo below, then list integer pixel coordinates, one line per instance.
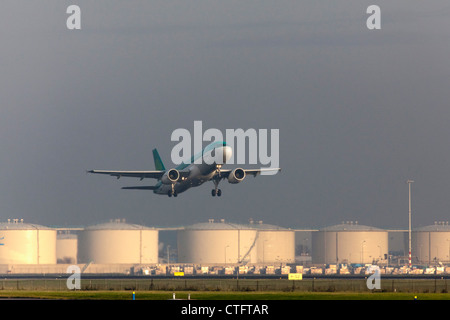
(66, 248)
(275, 244)
(118, 242)
(24, 243)
(431, 244)
(217, 243)
(349, 243)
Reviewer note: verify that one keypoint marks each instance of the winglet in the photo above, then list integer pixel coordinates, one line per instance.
(159, 165)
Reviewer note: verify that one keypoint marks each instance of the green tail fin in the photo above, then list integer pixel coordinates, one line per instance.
(159, 165)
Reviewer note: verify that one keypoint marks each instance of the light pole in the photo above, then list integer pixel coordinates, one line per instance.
(264, 251)
(362, 251)
(168, 254)
(226, 254)
(380, 253)
(409, 182)
(448, 257)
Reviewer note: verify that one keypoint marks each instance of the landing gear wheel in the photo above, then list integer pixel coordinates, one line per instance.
(169, 193)
(175, 193)
(216, 190)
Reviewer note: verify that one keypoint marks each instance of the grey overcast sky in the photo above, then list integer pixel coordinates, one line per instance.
(359, 111)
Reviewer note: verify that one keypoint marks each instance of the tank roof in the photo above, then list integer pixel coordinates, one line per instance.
(217, 225)
(265, 227)
(18, 224)
(117, 224)
(441, 226)
(222, 225)
(350, 226)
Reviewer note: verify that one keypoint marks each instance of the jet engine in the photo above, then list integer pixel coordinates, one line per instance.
(170, 177)
(236, 176)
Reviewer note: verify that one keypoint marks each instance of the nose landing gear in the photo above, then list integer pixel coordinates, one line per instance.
(216, 191)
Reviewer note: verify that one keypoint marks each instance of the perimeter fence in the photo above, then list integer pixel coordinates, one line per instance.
(185, 284)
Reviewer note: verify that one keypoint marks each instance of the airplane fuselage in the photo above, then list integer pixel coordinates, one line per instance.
(200, 168)
(199, 171)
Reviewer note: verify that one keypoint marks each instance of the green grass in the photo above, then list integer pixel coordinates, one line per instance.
(226, 289)
(208, 295)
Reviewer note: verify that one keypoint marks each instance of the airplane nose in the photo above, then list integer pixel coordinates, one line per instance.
(219, 155)
(227, 153)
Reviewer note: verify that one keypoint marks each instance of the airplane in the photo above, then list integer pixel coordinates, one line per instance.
(187, 175)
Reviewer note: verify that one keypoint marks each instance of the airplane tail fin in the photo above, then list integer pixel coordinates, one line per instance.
(159, 165)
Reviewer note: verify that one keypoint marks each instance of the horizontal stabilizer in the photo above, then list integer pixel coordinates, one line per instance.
(141, 188)
(155, 174)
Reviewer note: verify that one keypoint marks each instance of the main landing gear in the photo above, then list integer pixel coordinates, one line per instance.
(216, 191)
(172, 192)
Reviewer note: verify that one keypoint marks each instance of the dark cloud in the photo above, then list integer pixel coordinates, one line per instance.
(359, 111)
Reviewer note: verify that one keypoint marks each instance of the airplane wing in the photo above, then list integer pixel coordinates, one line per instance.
(254, 172)
(156, 174)
(141, 188)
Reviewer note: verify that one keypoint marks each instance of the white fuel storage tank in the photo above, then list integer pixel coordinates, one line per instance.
(349, 242)
(217, 242)
(431, 244)
(66, 248)
(118, 242)
(25, 243)
(275, 244)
